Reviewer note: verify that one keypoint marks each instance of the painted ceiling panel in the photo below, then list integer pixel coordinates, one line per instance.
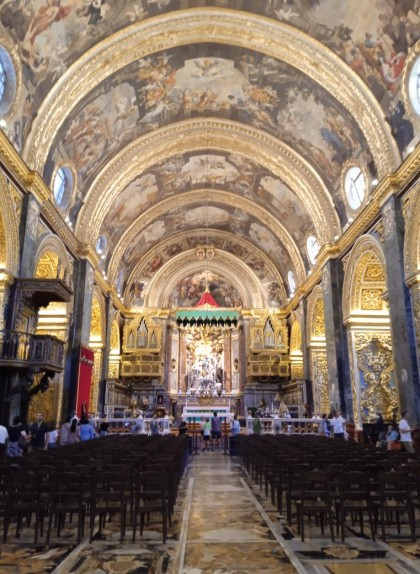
(256, 110)
(184, 172)
(242, 85)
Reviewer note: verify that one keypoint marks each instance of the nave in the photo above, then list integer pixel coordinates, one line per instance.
(223, 524)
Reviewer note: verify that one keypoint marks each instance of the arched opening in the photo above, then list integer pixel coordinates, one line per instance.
(367, 320)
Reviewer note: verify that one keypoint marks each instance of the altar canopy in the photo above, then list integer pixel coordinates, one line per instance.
(210, 316)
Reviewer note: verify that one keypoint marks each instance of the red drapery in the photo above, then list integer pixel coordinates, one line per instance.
(86, 360)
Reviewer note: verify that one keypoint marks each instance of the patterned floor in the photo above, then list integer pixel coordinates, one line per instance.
(223, 524)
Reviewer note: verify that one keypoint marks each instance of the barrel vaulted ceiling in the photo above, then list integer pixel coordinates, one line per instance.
(223, 125)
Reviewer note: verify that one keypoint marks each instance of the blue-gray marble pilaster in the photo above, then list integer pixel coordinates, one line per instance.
(336, 338)
(79, 332)
(109, 310)
(401, 310)
(28, 235)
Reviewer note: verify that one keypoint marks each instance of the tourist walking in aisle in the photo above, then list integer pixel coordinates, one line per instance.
(216, 431)
(206, 434)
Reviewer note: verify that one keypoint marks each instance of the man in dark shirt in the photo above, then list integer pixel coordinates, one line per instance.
(37, 433)
(216, 430)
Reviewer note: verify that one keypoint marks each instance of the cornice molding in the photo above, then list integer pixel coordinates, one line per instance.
(223, 26)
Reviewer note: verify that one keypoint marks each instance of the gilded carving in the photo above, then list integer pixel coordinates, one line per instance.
(375, 360)
(96, 321)
(321, 383)
(372, 299)
(365, 271)
(318, 320)
(115, 338)
(374, 272)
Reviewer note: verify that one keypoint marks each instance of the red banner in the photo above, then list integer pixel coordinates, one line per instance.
(86, 360)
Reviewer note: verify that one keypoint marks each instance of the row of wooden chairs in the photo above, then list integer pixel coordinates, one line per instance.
(349, 478)
(133, 477)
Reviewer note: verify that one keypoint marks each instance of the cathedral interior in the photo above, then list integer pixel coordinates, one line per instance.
(209, 205)
(209, 202)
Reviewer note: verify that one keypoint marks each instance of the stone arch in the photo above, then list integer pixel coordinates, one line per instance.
(412, 258)
(9, 232)
(238, 273)
(364, 279)
(274, 39)
(366, 316)
(412, 236)
(52, 260)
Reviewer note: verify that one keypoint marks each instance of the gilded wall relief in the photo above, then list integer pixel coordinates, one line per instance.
(320, 382)
(375, 362)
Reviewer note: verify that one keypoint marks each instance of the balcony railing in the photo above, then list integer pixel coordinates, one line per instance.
(18, 349)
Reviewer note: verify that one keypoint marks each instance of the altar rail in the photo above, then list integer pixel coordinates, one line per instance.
(193, 413)
(135, 426)
(283, 425)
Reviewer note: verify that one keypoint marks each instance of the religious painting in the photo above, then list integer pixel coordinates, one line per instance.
(189, 291)
(136, 294)
(163, 87)
(287, 208)
(129, 204)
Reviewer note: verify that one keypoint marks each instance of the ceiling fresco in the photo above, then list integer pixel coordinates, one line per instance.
(184, 219)
(233, 173)
(102, 84)
(242, 85)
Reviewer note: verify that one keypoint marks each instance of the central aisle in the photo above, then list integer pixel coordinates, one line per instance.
(224, 527)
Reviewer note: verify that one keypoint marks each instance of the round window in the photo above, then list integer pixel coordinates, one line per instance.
(7, 81)
(63, 186)
(312, 247)
(355, 186)
(414, 86)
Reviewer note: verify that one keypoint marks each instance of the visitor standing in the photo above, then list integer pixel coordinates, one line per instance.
(337, 425)
(37, 433)
(216, 430)
(405, 433)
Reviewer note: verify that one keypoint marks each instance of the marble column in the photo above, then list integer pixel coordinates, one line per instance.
(28, 235)
(401, 310)
(336, 338)
(306, 382)
(105, 356)
(79, 332)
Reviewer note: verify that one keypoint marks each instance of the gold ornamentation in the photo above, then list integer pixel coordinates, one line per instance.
(115, 339)
(321, 383)
(365, 259)
(96, 321)
(374, 272)
(372, 299)
(376, 362)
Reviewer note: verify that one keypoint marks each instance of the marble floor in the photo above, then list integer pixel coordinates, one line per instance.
(223, 524)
